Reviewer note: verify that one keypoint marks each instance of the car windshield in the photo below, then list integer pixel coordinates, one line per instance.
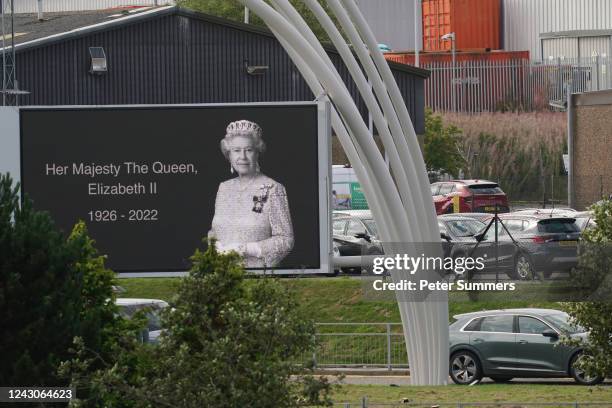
(464, 228)
(478, 189)
(562, 321)
(371, 226)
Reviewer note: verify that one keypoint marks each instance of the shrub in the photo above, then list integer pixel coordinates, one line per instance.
(441, 146)
(595, 275)
(225, 344)
(51, 290)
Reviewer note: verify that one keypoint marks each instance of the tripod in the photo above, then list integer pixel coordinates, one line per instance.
(494, 221)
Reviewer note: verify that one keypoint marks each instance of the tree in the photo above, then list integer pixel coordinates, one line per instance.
(234, 10)
(51, 290)
(594, 277)
(227, 342)
(441, 146)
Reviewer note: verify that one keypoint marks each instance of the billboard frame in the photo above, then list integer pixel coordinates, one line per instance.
(324, 175)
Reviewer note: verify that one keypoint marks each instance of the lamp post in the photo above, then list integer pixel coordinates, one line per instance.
(451, 37)
(418, 37)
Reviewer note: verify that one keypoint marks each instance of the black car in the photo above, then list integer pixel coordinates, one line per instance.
(544, 243)
(527, 243)
(355, 234)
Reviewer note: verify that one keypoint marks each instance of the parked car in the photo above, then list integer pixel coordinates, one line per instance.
(546, 211)
(152, 307)
(504, 344)
(584, 219)
(474, 196)
(545, 243)
(461, 233)
(355, 234)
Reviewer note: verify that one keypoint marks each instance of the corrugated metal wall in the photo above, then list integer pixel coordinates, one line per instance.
(392, 22)
(525, 20)
(595, 46)
(560, 48)
(176, 58)
(51, 6)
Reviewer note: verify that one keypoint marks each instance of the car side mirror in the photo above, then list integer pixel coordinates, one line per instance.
(445, 237)
(480, 237)
(363, 235)
(550, 333)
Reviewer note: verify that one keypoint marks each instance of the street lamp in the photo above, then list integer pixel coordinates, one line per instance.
(451, 37)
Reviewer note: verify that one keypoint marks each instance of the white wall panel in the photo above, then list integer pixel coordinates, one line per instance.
(560, 47)
(593, 46)
(525, 20)
(392, 22)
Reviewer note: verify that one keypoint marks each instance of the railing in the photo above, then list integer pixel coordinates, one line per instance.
(364, 403)
(489, 86)
(379, 345)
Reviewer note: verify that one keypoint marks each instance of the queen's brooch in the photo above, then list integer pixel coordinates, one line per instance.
(259, 200)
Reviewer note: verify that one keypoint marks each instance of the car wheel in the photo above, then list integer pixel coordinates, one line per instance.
(501, 379)
(523, 269)
(579, 375)
(465, 368)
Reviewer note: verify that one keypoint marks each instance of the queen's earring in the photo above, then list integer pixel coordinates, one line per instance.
(257, 169)
(231, 169)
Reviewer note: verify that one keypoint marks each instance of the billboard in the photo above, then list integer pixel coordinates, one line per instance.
(151, 182)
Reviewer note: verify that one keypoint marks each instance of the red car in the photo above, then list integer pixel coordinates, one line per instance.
(475, 196)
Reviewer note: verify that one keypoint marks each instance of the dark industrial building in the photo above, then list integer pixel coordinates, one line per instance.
(167, 55)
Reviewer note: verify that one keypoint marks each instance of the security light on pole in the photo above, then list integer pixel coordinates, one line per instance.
(451, 37)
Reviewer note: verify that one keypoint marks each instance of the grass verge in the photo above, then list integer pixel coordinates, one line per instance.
(337, 300)
(452, 394)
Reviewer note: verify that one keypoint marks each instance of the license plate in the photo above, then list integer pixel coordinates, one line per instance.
(568, 243)
(490, 209)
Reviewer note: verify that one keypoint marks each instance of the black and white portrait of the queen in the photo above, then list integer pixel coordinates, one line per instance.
(251, 209)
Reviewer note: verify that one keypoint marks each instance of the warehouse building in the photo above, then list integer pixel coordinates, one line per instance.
(545, 28)
(559, 28)
(169, 55)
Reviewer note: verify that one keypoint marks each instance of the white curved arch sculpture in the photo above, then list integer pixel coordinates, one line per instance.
(404, 211)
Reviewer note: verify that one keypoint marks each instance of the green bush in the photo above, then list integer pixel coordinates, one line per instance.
(52, 289)
(441, 146)
(595, 275)
(225, 343)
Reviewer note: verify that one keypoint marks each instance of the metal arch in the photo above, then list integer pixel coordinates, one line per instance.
(424, 323)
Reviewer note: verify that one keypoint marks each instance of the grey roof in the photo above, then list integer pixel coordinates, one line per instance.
(29, 32)
(60, 25)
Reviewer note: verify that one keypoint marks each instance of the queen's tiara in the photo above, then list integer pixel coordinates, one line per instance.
(240, 127)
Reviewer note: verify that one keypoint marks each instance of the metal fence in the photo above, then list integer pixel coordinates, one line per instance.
(365, 403)
(360, 345)
(489, 86)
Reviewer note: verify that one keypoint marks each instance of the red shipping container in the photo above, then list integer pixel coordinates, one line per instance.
(476, 24)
